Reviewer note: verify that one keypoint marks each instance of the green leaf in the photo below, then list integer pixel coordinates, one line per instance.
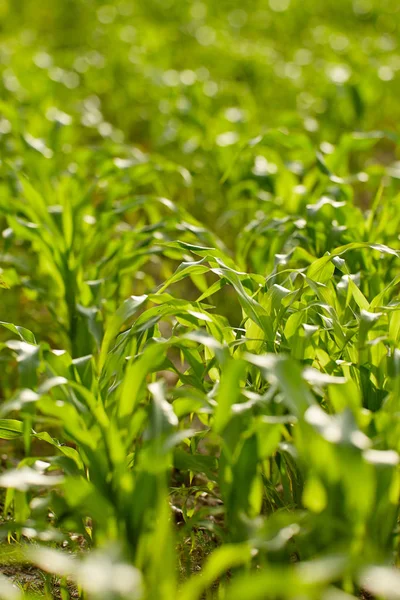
(228, 392)
(123, 314)
(10, 429)
(222, 559)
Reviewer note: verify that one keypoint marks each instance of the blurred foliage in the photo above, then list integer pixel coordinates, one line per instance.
(199, 273)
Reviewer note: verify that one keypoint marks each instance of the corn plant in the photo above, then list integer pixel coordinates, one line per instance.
(199, 275)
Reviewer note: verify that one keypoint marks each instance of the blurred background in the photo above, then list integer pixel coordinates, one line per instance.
(323, 66)
(194, 101)
(174, 75)
(185, 78)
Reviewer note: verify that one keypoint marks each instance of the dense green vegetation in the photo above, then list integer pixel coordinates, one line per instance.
(200, 315)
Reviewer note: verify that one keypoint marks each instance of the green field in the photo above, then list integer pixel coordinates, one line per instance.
(200, 311)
